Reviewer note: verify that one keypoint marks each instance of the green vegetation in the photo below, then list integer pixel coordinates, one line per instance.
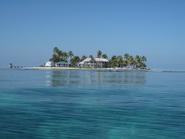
(101, 55)
(124, 60)
(128, 61)
(74, 61)
(83, 58)
(59, 55)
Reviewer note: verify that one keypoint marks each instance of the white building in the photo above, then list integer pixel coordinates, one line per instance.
(94, 63)
(61, 64)
(49, 64)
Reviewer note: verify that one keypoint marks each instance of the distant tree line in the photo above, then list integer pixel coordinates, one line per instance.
(59, 55)
(128, 60)
(124, 60)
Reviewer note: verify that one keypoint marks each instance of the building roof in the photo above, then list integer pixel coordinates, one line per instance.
(61, 62)
(101, 60)
(48, 64)
(96, 59)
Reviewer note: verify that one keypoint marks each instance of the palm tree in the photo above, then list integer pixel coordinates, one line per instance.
(93, 61)
(131, 60)
(125, 63)
(113, 61)
(64, 56)
(83, 58)
(105, 56)
(75, 60)
(140, 61)
(144, 59)
(126, 56)
(56, 55)
(70, 55)
(119, 61)
(56, 51)
(92, 58)
(99, 54)
(137, 61)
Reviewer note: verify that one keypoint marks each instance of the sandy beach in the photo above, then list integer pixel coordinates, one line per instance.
(76, 68)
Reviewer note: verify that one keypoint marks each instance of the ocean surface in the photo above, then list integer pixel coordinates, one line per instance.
(75, 104)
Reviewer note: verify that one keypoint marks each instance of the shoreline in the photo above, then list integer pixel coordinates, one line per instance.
(93, 69)
(76, 68)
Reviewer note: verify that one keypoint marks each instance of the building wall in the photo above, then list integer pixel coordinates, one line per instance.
(94, 65)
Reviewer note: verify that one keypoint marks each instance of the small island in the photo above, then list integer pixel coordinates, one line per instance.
(68, 60)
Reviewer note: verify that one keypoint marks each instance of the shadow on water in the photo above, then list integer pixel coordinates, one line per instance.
(81, 78)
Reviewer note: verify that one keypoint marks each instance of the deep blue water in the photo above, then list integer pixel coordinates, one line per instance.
(91, 105)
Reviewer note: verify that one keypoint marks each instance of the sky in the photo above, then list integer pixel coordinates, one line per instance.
(29, 29)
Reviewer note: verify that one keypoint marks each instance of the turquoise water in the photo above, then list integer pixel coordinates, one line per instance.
(91, 105)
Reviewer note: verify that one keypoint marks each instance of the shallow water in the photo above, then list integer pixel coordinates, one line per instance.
(74, 104)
